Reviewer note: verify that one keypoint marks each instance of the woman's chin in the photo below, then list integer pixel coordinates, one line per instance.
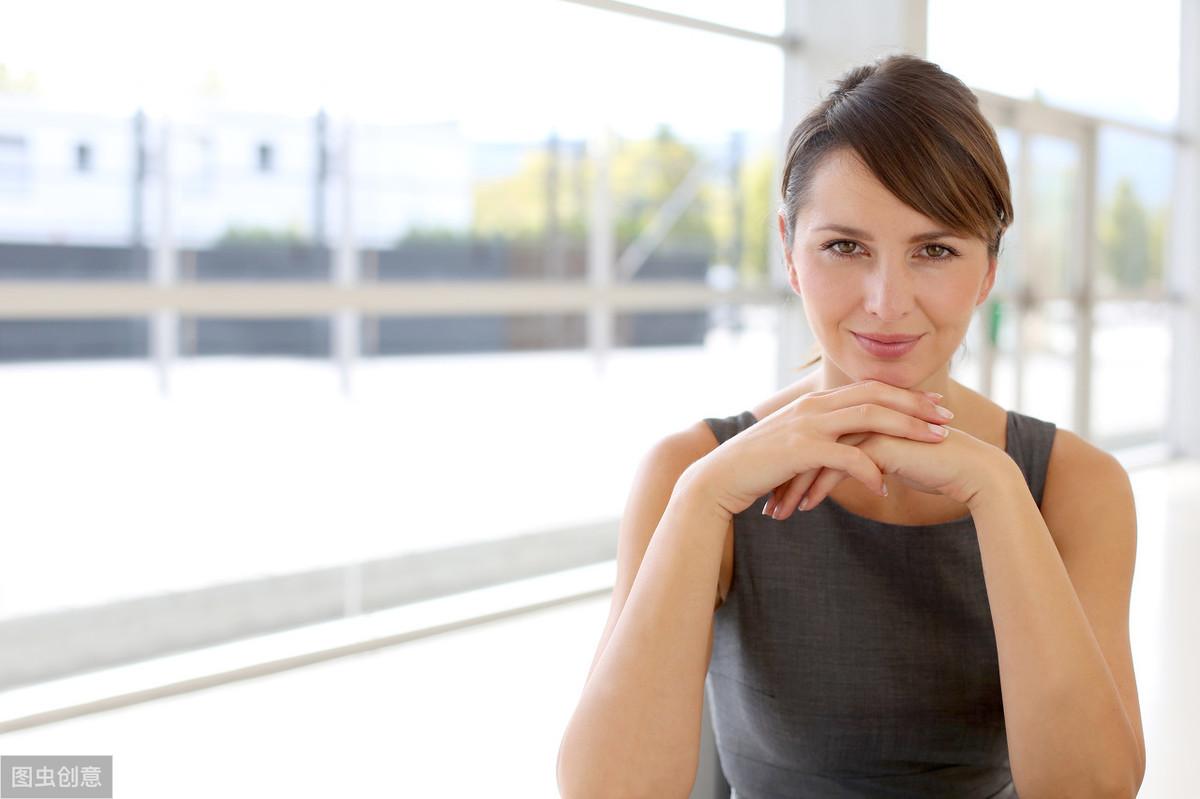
(895, 375)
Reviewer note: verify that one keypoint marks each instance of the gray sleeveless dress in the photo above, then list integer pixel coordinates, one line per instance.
(857, 658)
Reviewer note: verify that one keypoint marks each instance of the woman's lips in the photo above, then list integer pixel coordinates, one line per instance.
(881, 350)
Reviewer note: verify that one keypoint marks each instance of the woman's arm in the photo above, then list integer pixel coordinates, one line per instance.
(1068, 731)
(636, 729)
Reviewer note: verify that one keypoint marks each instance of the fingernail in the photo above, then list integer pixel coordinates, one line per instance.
(804, 503)
(933, 395)
(940, 430)
(946, 412)
(766, 505)
(885, 489)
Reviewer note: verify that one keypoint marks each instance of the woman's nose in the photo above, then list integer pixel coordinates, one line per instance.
(888, 292)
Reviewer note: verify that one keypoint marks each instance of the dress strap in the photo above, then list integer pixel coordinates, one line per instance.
(726, 427)
(1029, 442)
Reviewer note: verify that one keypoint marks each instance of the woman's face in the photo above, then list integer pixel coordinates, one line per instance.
(885, 277)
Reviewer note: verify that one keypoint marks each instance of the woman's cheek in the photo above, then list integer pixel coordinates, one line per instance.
(823, 301)
(823, 285)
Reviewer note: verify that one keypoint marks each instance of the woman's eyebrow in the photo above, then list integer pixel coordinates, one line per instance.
(865, 236)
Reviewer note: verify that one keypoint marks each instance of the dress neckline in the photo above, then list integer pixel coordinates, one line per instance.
(882, 525)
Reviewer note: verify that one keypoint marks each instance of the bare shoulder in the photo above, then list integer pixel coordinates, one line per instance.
(1076, 467)
(1076, 474)
(692, 442)
(699, 438)
(653, 484)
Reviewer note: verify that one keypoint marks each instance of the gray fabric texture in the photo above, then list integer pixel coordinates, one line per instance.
(857, 658)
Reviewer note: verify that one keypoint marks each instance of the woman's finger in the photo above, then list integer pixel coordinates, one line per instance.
(778, 492)
(870, 418)
(787, 497)
(824, 487)
(770, 503)
(825, 477)
(790, 497)
(854, 462)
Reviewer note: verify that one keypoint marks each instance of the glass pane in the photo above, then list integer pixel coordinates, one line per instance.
(1002, 322)
(259, 254)
(435, 150)
(1131, 358)
(970, 364)
(253, 468)
(1008, 267)
(1048, 363)
(1053, 255)
(245, 180)
(442, 151)
(35, 340)
(1066, 53)
(1134, 176)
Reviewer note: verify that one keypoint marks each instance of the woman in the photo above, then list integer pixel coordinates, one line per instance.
(951, 622)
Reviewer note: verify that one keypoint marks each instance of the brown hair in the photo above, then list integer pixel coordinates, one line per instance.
(921, 133)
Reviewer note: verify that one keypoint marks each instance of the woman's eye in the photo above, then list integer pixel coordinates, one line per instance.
(836, 246)
(844, 248)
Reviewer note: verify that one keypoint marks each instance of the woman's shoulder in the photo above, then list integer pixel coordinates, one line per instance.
(1077, 472)
(707, 434)
(1067, 464)
(1080, 466)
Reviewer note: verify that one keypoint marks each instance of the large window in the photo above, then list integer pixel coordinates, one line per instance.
(1091, 150)
(1120, 61)
(438, 283)
(260, 439)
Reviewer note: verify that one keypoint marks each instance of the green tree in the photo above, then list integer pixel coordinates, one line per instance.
(248, 235)
(1156, 267)
(758, 217)
(642, 174)
(441, 234)
(517, 206)
(1126, 237)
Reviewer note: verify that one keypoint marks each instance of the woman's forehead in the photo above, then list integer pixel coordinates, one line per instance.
(866, 234)
(845, 197)
(843, 187)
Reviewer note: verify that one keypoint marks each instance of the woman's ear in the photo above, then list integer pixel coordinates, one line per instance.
(787, 256)
(989, 280)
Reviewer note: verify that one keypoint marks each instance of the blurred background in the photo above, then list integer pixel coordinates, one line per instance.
(331, 337)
